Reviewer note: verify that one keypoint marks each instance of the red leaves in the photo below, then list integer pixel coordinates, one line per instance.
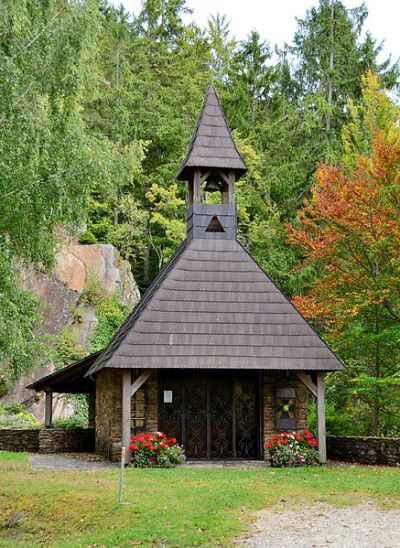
(350, 230)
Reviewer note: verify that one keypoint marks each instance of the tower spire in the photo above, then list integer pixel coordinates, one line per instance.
(213, 159)
(211, 145)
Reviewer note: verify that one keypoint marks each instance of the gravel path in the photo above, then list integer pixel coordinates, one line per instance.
(64, 462)
(320, 526)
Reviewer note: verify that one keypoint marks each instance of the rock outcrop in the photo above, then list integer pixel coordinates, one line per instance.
(62, 294)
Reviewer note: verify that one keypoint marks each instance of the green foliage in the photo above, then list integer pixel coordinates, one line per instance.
(110, 313)
(87, 238)
(15, 416)
(80, 418)
(69, 423)
(92, 289)
(339, 421)
(66, 348)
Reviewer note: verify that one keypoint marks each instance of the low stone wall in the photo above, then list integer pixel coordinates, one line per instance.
(19, 440)
(67, 440)
(364, 450)
(48, 440)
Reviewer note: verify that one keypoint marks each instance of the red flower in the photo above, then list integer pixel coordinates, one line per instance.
(152, 448)
(133, 447)
(285, 442)
(285, 434)
(163, 445)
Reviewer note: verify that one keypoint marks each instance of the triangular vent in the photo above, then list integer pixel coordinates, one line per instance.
(215, 225)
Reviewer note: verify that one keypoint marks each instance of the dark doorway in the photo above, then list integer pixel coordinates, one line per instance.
(213, 414)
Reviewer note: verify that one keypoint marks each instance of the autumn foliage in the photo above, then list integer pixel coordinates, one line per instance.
(349, 233)
(351, 228)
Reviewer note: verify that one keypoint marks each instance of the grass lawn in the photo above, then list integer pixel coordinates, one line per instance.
(177, 507)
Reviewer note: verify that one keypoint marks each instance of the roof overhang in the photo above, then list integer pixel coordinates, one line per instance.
(70, 379)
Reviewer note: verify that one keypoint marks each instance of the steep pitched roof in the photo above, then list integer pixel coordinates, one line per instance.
(213, 307)
(212, 145)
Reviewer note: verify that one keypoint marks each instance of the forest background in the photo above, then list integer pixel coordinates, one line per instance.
(96, 110)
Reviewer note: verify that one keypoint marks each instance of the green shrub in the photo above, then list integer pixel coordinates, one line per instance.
(70, 422)
(15, 416)
(87, 238)
(338, 422)
(110, 313)
(93, 289)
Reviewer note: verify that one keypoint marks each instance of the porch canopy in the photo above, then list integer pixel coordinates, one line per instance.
(69, 380)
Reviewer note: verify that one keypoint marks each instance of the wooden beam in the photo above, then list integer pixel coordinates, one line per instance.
(196, 187)
(126, 411)
(205, 175)
(306, 380)
(321, 434)
(141, 380)
(48, 409)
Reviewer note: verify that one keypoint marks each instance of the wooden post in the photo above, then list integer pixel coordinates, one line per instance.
(196, 187)
(126, 411)
(321, 434)
(48, 409)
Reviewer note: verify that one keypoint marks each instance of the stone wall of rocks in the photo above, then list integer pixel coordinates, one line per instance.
(109, 413)
(48, 440)
(364, 450)
(271, 382)
(144, 410)
(67, 440)
(19, 440)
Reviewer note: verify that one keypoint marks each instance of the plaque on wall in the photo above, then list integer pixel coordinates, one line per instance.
(285, 409)
(167, 396)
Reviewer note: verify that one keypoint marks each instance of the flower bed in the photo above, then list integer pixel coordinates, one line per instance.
(293, 449)
(156, 450)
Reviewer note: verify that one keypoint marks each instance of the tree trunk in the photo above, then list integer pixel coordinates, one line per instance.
(330, 71)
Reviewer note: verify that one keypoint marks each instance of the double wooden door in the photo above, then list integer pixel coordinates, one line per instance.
(213, 414)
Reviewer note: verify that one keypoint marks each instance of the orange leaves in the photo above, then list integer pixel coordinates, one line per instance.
(350, 229)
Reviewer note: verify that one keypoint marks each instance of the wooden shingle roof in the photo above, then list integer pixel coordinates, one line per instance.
(212, 145)
(212, 306)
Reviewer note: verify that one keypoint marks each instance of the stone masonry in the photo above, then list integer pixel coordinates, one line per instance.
(271, 381)
(144, 410)
(47, 440)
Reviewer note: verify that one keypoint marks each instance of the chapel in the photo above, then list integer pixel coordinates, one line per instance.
(214, 354)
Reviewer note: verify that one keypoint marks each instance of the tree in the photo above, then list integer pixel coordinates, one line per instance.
(350, 231)
(46, 155)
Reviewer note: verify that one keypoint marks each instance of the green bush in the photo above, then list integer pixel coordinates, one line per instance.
(338, 422)
(71, 422)
(93, 289)
(87, 238)
(14, 416)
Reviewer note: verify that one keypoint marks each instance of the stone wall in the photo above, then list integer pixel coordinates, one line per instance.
(271, 382)
(19, 440)
(109, 413)
(66, 440)
(364, 450)
(48, 440)
(144, 410)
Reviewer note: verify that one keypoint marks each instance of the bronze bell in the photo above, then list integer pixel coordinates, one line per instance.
(212, 184)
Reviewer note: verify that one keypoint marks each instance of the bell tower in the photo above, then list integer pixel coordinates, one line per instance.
(212, 164)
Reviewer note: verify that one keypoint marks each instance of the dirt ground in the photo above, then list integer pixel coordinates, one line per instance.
(320, 526)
